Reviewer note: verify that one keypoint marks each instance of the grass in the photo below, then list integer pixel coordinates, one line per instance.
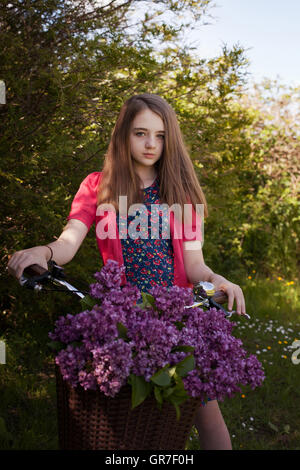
(267, 418)
(28, 395)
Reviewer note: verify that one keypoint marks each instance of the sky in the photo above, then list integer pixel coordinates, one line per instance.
(268, 29)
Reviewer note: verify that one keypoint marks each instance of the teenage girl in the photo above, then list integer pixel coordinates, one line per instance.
(147, 161)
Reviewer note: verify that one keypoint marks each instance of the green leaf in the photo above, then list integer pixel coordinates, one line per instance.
(177, 392)
(172, 371)
(272, 426)
(88, 301)
(56, 345)
(179, 325)
(140, 389)
(180, 391)
(162, 377)
(287, 428)
(122, 331)
(76, 344)
(168, 392)
(148, 300)
(176, 401)
(158, 394)
(183, 349)
(185, 366)
(177, 410)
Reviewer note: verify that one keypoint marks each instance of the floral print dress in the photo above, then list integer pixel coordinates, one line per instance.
(148, 258)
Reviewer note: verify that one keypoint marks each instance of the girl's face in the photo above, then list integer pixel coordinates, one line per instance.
(146, 138)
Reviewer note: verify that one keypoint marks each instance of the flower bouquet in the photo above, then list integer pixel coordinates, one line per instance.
(150, 348)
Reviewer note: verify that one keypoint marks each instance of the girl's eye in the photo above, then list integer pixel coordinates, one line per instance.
(161, 136)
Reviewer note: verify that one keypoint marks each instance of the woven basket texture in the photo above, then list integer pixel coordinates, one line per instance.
(89, 420)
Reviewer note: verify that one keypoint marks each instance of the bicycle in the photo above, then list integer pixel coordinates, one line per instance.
(37, 278)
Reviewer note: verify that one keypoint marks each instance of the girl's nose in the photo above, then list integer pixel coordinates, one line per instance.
(150, 142)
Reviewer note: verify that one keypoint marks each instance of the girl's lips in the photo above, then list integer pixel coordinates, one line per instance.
(149, 155)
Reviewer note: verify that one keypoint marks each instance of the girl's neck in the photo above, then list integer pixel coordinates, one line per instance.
(147, 177)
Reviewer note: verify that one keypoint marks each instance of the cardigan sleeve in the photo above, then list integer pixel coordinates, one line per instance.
(193, 229)
(84, 204)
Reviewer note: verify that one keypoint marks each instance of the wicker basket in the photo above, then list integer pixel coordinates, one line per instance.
(88, 420)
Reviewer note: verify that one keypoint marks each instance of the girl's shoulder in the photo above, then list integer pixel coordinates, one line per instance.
(92, 180)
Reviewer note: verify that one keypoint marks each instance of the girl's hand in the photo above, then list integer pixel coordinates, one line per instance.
(23, 258)
(233, 291)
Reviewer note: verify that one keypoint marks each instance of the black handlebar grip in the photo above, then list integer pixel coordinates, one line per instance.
(34, 270)
(220, 297)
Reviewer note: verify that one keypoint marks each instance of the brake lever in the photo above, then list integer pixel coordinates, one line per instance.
(35, 282)
(58, 275)
(227, 314)
(56, 271)
(212, 303)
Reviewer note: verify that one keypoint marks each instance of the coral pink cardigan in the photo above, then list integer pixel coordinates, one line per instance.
(84, 208)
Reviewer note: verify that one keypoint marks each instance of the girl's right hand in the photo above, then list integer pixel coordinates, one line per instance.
(24, 258)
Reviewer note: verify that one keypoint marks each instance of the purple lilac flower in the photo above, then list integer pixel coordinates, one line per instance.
(124, 297)
(130, 295)
(112, 363)
(153, 339)
(66, 330)
(101, 326)
(87, 379)
(108, 279)
(221, 362)
(171, 300)
(71, 361)
(104, 361)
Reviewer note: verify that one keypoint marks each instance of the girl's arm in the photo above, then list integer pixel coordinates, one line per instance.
(196, 271)
(64, 249)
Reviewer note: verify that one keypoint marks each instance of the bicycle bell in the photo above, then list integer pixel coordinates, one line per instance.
(204, 287)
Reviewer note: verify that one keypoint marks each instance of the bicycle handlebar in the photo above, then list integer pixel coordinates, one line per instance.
(35, 270)
(37, 275)
(220, 297)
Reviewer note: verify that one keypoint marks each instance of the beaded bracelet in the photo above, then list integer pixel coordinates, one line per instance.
(51, 253)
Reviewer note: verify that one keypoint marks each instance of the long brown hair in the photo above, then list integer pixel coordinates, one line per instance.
(178, 180)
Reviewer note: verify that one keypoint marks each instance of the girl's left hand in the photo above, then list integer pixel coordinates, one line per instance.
(233, 291)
